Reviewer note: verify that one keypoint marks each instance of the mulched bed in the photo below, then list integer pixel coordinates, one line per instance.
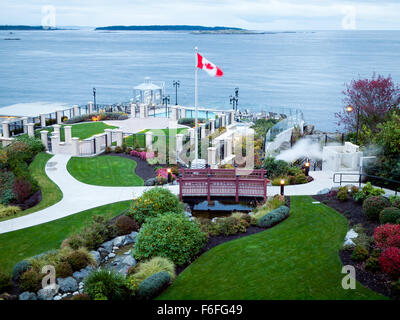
(143, 169)
(351, 210)
(378, 282)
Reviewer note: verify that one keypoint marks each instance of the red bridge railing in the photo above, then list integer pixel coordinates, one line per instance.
(222, 183)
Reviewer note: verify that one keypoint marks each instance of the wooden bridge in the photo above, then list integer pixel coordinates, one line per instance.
(222, 183)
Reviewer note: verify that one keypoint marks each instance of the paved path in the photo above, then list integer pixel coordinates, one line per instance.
(77, 197)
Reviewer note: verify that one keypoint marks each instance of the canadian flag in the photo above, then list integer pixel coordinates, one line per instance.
(208, 66)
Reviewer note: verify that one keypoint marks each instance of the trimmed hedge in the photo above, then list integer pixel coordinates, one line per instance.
(389, 215)
(273, 217)
(373, 206)
(153, 285)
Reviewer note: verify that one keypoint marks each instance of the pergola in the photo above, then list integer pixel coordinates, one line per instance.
(148, 93)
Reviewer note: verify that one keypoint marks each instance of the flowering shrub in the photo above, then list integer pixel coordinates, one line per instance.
(390, 262)
(387, 236)
(163, 173)
(171, 235)
(143, 154)
(153, 202)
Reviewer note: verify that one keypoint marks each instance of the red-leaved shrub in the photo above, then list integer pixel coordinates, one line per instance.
(387, 235)
(390, 262)
(142, 154)
(22, 190)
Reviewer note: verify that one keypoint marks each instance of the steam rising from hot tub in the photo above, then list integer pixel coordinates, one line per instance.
(304, 148)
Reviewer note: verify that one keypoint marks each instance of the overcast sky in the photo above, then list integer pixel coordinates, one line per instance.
(250, 14)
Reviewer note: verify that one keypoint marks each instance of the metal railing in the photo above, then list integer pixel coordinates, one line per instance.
(360, 176)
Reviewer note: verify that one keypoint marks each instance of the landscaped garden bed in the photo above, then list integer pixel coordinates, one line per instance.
(97, 116)
(19, 189)
(375, 251)
(126, 246)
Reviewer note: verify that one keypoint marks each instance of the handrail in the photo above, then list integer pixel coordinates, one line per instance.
(341, 174)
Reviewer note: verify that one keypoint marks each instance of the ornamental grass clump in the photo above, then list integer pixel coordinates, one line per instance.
(170, 235)
(99, 230)
(9, 211)
(106, 285)
(157, 264)
(153, 202)
(272, 203)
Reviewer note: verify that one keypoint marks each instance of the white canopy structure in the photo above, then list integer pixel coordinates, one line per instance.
(148, 92)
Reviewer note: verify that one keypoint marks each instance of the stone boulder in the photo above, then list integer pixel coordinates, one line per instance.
(124, 264)
(27, 296)
(151, 182)
(96, 256)
(132, 236)
(118, 241)
(103, 253)
(47, 293)
(81, 275)
(324, 191)
(67, 284)
(107, 246)
(187, 214)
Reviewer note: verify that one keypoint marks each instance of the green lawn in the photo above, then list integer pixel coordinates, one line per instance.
(140, 137)
(297, 259)
(105, 171)
(82, 130)
(21, 244)
(51, 193)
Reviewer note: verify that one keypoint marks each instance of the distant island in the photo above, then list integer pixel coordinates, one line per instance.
(170, 28)
(22, 27)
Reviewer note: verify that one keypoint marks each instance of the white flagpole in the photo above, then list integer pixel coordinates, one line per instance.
(196, 139)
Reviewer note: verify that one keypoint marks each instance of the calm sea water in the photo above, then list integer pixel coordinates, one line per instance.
(304, 70)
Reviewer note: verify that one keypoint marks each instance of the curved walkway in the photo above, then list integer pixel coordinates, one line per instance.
(77, 197)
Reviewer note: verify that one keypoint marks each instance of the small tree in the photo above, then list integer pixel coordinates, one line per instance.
(372, 97)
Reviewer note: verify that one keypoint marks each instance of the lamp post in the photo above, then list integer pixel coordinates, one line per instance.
(169, 175)
(166, 100)
(176, 84)
(350, 109)
(282, 187)
(307, 168)
(94, 98)
(233, 100)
